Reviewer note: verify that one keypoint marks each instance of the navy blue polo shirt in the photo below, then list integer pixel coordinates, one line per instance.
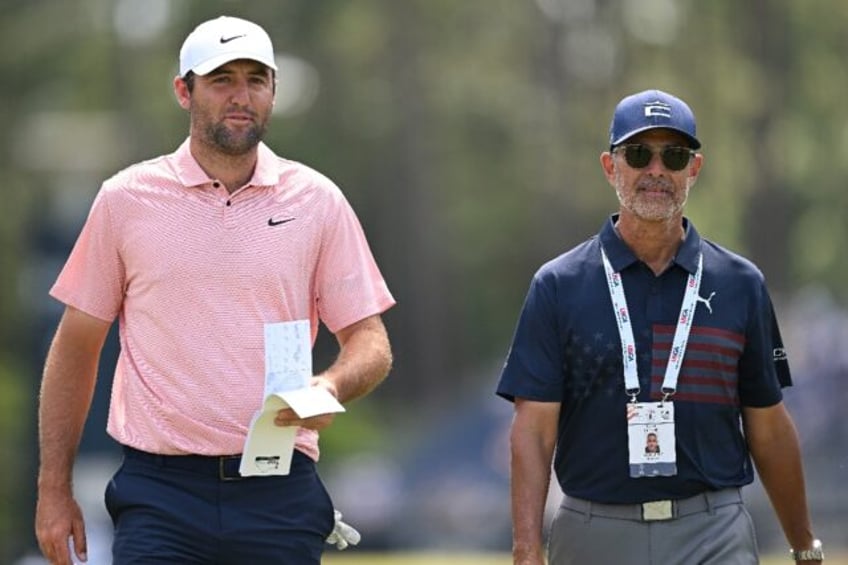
(567, 349)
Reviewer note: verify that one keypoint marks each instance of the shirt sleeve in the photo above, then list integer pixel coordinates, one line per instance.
(534, 365)
(92, 279)
(779, 354)
(763, 366)
(349, 284)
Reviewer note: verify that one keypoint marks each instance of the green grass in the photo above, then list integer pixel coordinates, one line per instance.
(332, 557)
(339, 558)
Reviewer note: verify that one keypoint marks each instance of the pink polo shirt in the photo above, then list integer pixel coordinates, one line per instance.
(193, 273)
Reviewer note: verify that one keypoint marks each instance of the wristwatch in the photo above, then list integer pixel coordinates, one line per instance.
(815, 553)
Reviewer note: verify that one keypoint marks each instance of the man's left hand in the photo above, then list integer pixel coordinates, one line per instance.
(288, 417)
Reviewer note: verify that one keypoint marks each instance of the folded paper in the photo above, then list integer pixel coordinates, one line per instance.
(288, 370)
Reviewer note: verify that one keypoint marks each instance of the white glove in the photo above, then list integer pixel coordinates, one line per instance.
(342, 534)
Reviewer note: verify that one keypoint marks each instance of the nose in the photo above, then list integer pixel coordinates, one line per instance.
(240, 94)
(656, 166)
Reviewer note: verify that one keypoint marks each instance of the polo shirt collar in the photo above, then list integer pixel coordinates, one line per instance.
(190, 173)
(621, 256)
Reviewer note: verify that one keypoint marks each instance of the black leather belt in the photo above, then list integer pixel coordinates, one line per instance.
(224, 467)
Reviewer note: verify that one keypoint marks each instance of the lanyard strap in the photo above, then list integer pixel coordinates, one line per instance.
(625, 329)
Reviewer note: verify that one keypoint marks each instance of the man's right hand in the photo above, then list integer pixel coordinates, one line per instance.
(57, 518)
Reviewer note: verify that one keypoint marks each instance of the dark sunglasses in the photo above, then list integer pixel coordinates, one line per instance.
(639, 156)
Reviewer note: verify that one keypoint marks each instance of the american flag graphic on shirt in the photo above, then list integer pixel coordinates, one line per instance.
(709, 372)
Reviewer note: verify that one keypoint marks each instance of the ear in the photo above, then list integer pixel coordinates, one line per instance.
(695, 168)
(182, 93)
(608, 165)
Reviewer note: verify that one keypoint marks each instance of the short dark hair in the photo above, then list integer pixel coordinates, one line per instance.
(189, 81)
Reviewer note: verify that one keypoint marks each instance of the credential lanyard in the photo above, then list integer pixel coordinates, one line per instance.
(625, 329)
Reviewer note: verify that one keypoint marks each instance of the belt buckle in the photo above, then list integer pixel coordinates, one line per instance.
(657, 510)
(222, 470)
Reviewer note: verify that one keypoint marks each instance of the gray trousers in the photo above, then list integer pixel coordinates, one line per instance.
(712, 529)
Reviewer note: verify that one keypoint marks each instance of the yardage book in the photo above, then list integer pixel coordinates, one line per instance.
(288, 369)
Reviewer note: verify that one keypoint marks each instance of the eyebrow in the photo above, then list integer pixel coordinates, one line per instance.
(257, 68)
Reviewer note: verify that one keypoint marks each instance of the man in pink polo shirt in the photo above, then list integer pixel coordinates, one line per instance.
(194, 253)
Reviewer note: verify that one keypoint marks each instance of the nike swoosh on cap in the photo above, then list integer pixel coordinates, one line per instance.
(228, 39)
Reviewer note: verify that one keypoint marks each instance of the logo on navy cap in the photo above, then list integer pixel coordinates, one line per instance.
(657, 108)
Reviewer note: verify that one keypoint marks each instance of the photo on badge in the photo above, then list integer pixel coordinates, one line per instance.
(651, 440)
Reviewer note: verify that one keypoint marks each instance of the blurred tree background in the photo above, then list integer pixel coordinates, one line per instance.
(466, 134)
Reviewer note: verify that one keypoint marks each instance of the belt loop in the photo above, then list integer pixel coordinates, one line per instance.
(587, 516)
(710, 503)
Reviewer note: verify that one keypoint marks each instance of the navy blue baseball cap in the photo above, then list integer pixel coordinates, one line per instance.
(652, 109)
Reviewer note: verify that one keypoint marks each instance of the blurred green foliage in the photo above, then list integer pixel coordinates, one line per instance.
(14, 427)
(352, 557)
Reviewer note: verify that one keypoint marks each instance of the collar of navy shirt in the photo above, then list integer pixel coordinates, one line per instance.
(621, 256)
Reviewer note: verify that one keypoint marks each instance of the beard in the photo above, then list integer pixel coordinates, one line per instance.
(649, 207)
(233, 143)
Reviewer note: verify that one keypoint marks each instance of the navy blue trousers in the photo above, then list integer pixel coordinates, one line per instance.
(197, 510)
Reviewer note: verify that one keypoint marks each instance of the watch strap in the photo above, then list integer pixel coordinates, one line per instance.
(815, 553)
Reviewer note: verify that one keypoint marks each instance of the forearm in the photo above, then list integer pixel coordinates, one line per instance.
(530, 472)
(777, 456)
(532, 441)
(364, 360)
(67, 387)
(66, 392)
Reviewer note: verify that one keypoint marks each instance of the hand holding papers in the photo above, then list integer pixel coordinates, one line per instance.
(288, 371)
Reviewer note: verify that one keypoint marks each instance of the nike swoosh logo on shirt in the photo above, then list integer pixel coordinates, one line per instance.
(273, 222)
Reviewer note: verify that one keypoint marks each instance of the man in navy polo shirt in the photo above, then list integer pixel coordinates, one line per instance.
(647, 332)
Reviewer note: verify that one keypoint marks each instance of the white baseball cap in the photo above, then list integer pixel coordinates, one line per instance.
(224, 39)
